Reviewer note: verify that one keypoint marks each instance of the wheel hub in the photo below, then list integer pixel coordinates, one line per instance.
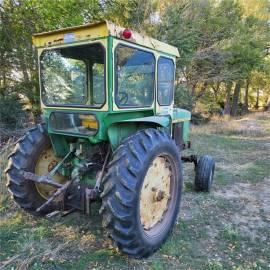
(155, 193)
(46, 162)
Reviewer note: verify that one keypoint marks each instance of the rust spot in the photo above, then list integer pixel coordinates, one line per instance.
(52, 165)
(58, 40)
(160, 195)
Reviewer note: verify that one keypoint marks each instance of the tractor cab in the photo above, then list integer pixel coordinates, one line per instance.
(96, 76)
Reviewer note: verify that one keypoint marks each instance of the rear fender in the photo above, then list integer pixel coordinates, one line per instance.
(122, 129)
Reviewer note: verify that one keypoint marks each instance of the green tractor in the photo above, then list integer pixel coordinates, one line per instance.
(110, 134)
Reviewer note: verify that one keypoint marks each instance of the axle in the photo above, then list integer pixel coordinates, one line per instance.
(191, 158)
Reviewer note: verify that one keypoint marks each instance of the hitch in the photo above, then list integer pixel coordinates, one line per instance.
(40, 179)
(58, 192)
(48, 178)
(75, 195)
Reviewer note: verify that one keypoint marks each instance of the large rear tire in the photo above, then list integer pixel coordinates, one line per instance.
(142, 192)
(25, 157)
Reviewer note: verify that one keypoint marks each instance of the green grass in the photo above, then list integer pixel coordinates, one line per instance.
(226, 229)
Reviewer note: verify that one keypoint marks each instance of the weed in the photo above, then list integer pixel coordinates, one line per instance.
(214, 265)
(230, 233)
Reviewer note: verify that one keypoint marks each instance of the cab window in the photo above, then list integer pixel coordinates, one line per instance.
(73, 76)
(134, 77)
(165, 81)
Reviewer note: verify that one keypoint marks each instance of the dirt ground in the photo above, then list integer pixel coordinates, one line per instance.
(256, 200)
(228, 228)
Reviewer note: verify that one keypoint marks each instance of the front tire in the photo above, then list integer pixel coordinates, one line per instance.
(204, 173)
(142, 192)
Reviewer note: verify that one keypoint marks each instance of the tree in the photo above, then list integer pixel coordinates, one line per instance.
(260, 83)
(218, 44)
(16, 50)
(136, 14)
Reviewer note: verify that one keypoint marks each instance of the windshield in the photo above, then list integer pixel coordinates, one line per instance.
(73, 76)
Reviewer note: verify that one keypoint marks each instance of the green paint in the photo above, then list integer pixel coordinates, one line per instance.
(110, 72)
(181, 115)
(159, 120)
(122, 129)
(186, 131)
(118, 131)
(60, 145)
(113, 125)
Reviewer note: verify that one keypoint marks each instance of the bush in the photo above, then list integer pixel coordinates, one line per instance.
(198, 118)
(11, 111)
(183, 98)
(207, 105)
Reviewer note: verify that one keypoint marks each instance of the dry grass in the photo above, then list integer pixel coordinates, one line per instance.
(251, 126)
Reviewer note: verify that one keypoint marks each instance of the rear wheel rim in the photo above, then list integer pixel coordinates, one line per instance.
(45, 163)
(158, 195)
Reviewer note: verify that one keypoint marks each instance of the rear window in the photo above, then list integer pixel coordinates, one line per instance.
(73, 76)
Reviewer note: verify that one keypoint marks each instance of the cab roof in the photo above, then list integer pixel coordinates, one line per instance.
(98, 30)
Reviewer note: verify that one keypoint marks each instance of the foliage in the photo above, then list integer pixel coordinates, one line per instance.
(11, 109)
(183, 98)
(219, 42)
(222, 43)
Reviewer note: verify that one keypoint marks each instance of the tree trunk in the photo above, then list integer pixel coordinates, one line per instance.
(246, 97)
(257, 99)
(236, 98)
(267, 107)
(216, 90)
(193, 88)
(227, 109)
(202, 91)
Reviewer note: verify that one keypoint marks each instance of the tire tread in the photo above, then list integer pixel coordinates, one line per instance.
(18, 161)
(122, 175)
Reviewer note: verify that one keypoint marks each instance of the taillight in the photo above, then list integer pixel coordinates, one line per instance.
(127, 33)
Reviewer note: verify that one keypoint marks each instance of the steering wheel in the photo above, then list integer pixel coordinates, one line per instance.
(122, 97)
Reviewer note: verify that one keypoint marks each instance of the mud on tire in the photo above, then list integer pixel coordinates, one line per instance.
(122, 187)
(24, 157)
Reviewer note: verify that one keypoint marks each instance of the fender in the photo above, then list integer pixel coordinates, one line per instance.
(122, 129)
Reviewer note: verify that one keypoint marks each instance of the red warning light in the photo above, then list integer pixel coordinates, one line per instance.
(127, 33)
